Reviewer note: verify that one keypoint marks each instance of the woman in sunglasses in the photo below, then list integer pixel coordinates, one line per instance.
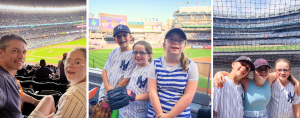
(257, 90)
(73, 102)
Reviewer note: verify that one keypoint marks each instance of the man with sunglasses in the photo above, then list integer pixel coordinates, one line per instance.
(12, 56)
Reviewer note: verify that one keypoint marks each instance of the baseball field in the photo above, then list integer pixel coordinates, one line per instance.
(53, 53)
(255, 48)
(97, 58)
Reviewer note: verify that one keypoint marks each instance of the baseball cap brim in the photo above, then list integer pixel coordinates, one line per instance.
(176, 30)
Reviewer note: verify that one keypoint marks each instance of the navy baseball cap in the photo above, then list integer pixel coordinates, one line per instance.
(247, 60)
(121, 28)
(177, 30)
(261, 62)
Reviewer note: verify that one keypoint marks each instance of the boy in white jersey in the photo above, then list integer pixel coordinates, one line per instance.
(120, 62)
(228, 100)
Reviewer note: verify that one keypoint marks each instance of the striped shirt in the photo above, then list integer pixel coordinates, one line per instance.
(228, 100)
(282, 100)
(138, 84)
(118, 65)
(171, 83)
(72, 104)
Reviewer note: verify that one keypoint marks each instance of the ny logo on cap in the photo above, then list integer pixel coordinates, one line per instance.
(262, 61)
(120, 27)
(248, 59)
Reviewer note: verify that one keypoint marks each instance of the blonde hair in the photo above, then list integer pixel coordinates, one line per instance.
(183, 59)
(290, 67)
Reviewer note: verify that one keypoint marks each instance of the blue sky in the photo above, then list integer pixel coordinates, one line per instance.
(137, 9)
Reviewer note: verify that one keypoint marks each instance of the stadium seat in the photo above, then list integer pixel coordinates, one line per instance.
(200, 103)
(39, 79)
(27, 84)
(37, 86)
(25, 90)
(23, 78)
(61, 87)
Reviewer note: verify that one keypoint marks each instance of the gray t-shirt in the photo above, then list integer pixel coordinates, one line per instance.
(9, 96)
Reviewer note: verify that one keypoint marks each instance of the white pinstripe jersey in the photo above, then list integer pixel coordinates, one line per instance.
(282, 100)
(72, 104)
(118, 65)
(228, 101)
(138, 83)
(171, 84)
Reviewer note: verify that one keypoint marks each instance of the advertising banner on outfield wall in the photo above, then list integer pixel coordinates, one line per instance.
(197, 47)
(109, 21)
(156, 28)
(94, 24)
(207, 47)
(147, 28)
(136, 26)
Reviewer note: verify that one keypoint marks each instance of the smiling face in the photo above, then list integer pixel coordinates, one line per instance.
(174, 44)
(282, 70)
(140, 55)
(122, 38)
(262, 72)
(241, 69)
(75, 67)
(14, 55)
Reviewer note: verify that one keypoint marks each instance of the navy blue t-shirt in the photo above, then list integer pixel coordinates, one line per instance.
(9, 96)
(43, 72)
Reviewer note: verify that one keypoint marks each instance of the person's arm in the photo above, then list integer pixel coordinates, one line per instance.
(50, 116)
(29, 99)
(296, 110)
(185, 100)
(219, 79)
(142, 97)
(153, 95)
(297, 86)
(123, 83)
(105, 81)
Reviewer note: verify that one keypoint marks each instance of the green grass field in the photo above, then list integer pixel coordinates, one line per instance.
(97, 58)
(50, 54)
(255, 48)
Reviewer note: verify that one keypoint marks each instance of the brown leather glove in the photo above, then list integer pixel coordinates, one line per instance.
(102, 110)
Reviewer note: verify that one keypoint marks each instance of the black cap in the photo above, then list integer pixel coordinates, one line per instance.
(120, 28)
(247, 60)
(176, 30)
(261, 62)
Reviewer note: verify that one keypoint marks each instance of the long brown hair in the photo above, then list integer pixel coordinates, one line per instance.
(183, 59)
(147, 46)
(290, 67)
(62, 61)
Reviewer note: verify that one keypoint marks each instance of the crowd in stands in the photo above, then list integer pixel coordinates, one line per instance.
(33, 18)
(198, 36)
(199, 44)
(277, 41)
(35, 33)
(261, 22)
(258, 35)
(195, 16)
(49, 40)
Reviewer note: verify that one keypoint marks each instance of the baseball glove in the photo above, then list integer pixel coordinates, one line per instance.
(102, 110)
(119, 97)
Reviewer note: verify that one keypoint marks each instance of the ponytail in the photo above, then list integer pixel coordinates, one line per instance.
(184, 62)
(290, 79)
